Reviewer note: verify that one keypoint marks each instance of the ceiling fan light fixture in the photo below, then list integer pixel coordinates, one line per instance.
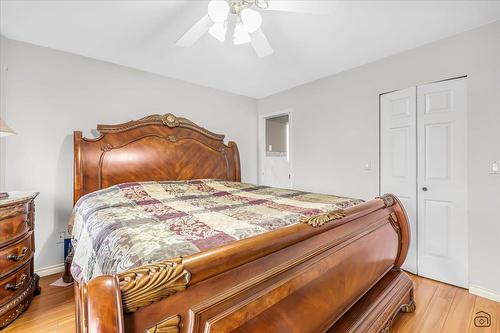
(218, 10)
(251, 19)
(218, 31)
(241, 35)
(244, 21)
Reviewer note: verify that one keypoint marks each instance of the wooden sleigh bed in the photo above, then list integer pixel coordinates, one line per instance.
(339, 274)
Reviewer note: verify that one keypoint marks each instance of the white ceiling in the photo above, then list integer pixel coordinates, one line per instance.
(142, 35)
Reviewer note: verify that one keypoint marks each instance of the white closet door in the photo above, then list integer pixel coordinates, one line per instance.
(398, 152)
(442, 181)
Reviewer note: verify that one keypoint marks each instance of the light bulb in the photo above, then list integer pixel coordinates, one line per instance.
(241, 35)
(251, 19)
(218, 31)
(218, 10)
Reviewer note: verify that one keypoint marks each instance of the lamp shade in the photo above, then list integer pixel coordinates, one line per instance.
(4, 129)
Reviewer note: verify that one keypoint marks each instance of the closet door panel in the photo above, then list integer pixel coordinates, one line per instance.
(442, 181)
(398, 156)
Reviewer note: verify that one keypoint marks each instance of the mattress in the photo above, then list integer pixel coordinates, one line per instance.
(133, 224)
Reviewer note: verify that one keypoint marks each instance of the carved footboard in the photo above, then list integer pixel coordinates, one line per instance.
(302, 278)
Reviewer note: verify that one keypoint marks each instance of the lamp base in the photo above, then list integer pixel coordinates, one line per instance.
(4, 195)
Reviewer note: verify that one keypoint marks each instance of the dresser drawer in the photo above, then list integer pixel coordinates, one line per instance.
(15, 255)
(13, 222)
(11, 314)
(15, 282)
(18, 283)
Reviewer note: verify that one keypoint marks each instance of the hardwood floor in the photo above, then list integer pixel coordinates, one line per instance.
(50, 312)
(445, 308)
(440, 308)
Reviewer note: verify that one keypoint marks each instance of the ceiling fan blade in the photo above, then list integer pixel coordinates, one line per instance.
(297, 6)
(196, 32)
(260, 44)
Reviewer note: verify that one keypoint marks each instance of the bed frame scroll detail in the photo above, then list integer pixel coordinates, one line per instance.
(388, 199)
(150, 283)
(319, 220)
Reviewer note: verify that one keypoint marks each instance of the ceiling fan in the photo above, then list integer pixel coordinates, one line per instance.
(247, 20)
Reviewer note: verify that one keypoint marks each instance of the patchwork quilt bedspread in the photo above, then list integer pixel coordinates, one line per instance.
(134, 224)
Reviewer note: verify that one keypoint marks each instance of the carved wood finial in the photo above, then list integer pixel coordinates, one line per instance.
(410, 307)
(147, 284)
(168, 325)
(170, 120)
(388, 199)
(319, 220)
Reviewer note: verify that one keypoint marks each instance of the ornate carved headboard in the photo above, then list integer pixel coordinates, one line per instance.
(152, 148)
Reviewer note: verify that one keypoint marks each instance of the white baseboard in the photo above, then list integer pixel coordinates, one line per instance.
(486, 293)
(50, 270)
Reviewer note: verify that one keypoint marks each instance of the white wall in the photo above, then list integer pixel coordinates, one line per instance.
(335, 130)
(48, 94)
(3, 68)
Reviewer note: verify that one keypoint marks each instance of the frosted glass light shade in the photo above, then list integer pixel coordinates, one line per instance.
(218, 31)
(5, 130)
(218, 10)
(241, 35)
(251, 19)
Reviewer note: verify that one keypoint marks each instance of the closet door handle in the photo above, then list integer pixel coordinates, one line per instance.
(424, 189)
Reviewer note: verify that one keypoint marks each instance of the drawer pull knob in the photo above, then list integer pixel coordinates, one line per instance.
(20, 256)
(14, 287)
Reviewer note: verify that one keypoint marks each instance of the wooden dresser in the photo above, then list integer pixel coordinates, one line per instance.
(18, 282)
